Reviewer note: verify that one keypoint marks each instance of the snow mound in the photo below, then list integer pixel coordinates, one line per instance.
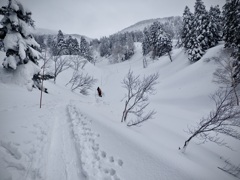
(22, 76)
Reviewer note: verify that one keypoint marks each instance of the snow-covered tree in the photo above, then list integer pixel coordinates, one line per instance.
(60, 45)
(104, 47)
(19, 44)
(129, 46)
(72, 46)
(156, 41)
(146, 44)
(231, 23)
(194, 51)
(200, 24)
(201, 30)
(164, 45)
(231, 35)
(85, 49)
(187, 28)
(214, 26)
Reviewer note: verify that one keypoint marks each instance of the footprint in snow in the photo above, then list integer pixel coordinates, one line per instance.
(111, 159)
(103, 154)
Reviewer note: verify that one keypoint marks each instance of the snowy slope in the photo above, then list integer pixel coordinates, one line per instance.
(139, 26)
(80, 137)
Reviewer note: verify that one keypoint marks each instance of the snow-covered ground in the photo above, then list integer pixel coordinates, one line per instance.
(76, 137)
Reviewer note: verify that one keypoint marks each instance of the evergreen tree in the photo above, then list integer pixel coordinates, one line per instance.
(19, 44)
(146, 45)
(75, 47)
(200, 24)
(164, 44)
(194, 51)
(157, 41)
(72, 46)
(214, 26)
(61, 45)
(231, 13)
(129, 47)
(104, 47)
(187, 30)
(155, 30)
(231, 23)
(85, 50)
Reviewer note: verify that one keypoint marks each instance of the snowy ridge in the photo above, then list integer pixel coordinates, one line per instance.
(139, 26)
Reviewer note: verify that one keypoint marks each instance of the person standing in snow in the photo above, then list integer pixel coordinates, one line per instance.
(99, 92)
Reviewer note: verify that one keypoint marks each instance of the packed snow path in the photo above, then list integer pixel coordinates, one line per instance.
(63, 162)
(73, 152)
(92, 159)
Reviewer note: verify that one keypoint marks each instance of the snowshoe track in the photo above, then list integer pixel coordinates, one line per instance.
(96, 165)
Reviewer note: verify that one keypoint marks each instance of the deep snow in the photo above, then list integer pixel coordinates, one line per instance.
(80, 137)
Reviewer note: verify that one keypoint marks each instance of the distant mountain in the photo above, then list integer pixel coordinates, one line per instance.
(46, 32)
(42, 31)
(173, 22)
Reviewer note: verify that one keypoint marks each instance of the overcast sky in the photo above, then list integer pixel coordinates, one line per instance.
(98, 18)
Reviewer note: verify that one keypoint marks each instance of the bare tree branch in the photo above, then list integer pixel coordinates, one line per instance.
(136, 98)
(225, 75)
(231, 169)
(81, 82)
(224, 119)
(60, 64)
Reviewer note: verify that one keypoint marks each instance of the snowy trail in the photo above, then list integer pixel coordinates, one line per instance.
(63, 162)
(94, 162)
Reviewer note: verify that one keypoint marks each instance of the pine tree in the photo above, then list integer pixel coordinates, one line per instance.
(231, 23)
(129, 47)
(85, 49)
(61, 45)
(214, 26)
(164, 45)
(104, 47)
(75, 47)
(200, 24)
(72, 46)
(160, 42)
(146, 45)
(231, 13)
(154, 30)
(19, 44)
(195, 51)
(187, 30)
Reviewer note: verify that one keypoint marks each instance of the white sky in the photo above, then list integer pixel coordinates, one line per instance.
(97, 18)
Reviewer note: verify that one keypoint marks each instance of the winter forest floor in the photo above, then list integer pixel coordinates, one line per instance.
(76, 137)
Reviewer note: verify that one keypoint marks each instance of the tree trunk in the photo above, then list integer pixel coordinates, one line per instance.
(188, 140)
(170, 57)
(124, 116)
(235, 92)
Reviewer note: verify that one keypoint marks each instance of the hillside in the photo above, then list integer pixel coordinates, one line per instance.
(139, 26)
(81, 137)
